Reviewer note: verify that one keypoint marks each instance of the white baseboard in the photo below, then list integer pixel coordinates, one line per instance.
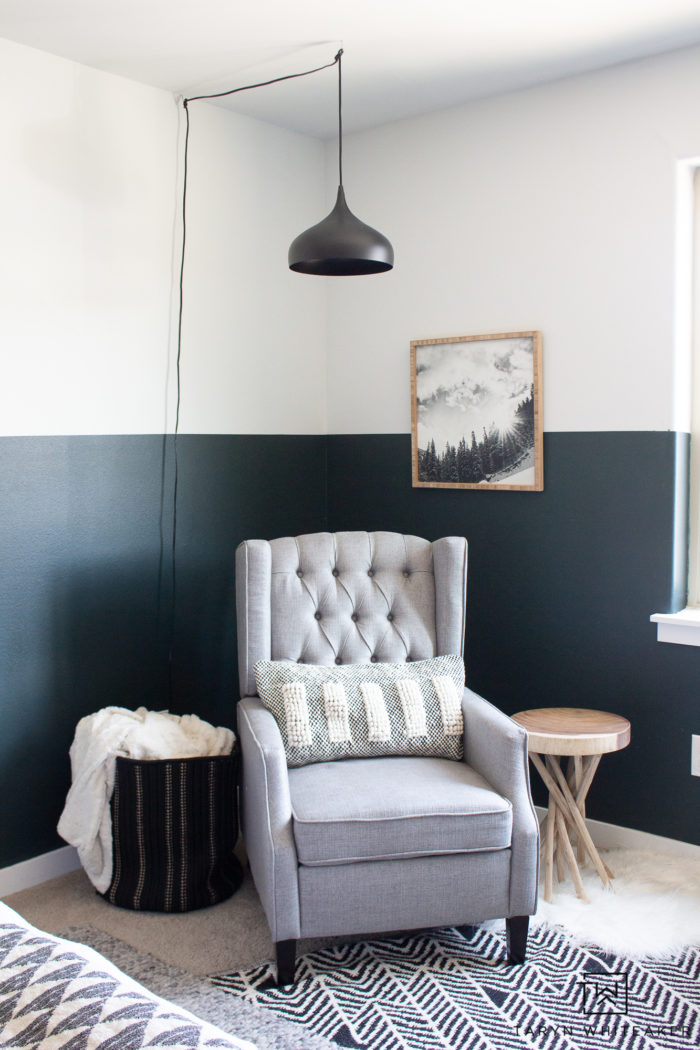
(38, 869)
(606, 836)
(613, 836)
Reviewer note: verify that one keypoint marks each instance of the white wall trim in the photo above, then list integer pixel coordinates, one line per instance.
(613, 836)
(607, 836)
(683, 293)
(38, 869)
(681, 628)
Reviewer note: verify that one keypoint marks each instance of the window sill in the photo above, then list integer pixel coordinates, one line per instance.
(681, 628)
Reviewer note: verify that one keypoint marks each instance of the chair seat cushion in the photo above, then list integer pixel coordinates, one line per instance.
(387, 808)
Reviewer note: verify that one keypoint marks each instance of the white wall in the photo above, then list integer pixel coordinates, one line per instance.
(552, 208)
(254, 355)
(89, 214)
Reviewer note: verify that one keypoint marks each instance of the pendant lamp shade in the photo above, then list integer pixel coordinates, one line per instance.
(340, 245)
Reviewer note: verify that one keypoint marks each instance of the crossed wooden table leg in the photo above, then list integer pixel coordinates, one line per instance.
(583, 736)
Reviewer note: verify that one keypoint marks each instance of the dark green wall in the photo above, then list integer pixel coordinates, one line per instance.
(561, 587)
(81, 623)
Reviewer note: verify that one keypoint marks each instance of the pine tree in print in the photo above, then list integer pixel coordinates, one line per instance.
(429, 465)
(448, 468)
(479, 462)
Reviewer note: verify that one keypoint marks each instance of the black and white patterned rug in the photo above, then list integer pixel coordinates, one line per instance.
(452, 989)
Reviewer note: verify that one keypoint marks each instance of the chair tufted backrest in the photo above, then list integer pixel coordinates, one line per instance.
(348, 597)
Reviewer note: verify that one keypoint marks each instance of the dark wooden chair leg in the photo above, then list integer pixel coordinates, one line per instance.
(516, 938)
(286, 956)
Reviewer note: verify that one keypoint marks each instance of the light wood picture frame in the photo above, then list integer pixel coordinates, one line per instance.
(476, 412)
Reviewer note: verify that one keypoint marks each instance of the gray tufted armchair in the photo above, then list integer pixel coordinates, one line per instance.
(373, 845)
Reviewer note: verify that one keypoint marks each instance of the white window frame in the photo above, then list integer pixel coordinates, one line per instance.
(683, 628)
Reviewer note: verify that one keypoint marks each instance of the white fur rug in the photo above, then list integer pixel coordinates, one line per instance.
(653, 910)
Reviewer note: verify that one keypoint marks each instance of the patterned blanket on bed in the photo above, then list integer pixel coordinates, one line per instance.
(58, 995)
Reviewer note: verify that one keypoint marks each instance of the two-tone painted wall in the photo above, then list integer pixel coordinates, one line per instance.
(551, 209)
(90, 237)
(555, 209)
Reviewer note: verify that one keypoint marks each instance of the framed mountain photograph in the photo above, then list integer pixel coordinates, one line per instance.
(476, 412)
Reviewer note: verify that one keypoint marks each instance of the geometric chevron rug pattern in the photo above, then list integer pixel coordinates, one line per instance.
(451, 989)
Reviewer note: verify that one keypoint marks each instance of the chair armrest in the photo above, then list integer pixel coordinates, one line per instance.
(267, 818)
(496, 747)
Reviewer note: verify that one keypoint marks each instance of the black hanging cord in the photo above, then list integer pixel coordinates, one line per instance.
(266, 83)
(338, 59)
(185, 103)
(173, 539)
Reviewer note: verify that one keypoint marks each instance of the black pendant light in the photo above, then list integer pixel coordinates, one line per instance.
(340, 245)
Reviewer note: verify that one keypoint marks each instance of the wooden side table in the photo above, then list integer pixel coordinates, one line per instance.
(583, 736)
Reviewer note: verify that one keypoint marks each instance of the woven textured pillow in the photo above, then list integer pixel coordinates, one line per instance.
(365, 710)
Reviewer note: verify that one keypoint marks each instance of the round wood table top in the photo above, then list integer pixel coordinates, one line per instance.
(573, 731)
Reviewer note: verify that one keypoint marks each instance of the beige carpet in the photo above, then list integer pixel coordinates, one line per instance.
(229, 936)
(226, 937)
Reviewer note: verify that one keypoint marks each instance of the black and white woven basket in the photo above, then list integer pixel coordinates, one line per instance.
(174, 827)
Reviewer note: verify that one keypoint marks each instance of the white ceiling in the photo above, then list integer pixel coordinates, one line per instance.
(402, 57)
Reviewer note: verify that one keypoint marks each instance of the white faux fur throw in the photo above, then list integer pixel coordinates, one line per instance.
(86, 821)
(651, 910)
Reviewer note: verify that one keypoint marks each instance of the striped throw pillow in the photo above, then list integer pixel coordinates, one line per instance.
(365, 710)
